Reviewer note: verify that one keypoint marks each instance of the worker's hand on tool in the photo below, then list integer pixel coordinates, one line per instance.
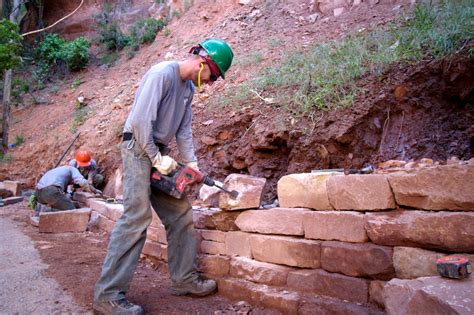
(164, 164)
(193, 165)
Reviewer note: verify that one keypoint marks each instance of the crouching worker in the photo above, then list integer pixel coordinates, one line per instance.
(51, 188)
(87, 166)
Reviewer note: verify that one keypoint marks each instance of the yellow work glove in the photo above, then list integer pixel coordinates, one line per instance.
(194, 165)
(164, 164)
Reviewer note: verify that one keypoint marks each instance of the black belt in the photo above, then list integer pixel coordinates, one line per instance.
(164, 150)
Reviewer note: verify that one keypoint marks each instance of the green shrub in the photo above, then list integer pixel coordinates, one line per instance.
(55, 51)
(145, 30)
(10, 45)
(110, 34)
(19, 139)
(19, 86)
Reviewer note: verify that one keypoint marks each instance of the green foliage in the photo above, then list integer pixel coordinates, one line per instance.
(10, 45)
(75, 84)
(145, 30)
(55, 50)
(325, 76)
(166, 32)
(19, 139)
(32, 201)
(109, 58)
(110, 34)
(19, 86)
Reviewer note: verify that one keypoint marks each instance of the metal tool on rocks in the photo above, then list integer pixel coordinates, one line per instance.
(366, 170)
(454, 267)
(176, 183)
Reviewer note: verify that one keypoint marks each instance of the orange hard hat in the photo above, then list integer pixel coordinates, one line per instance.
(83, 158)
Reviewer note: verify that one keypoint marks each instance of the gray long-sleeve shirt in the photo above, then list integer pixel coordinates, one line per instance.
(162, 110)
(61, 177)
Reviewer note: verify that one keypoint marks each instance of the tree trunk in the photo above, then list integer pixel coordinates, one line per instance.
(7, 86)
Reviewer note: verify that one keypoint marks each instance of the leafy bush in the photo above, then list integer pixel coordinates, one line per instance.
(19, 86)
(19, 139)
(145, 30)
(10, 45)
(110, 34)
(55, 50)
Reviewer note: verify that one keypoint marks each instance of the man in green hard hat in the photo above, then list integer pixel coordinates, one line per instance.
(160, 112)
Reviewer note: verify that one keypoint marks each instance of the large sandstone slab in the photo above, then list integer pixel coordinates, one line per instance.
(451, 231)
(238, 244)
(213, 265)
(360, 192)
(358, 260)
(157, 233)
(272, 221)
(411, 263)
(213, 248)
(313, 304)
(250, 190)
(449, 187)
(99, 222)
(12, 200)
(83, 197)
(13, 186)
(259, 272)
(155, 250)
(346, 226)
(213, 235)
(64, 221)
(114, 186)
(109, 210)
(215, 219)
(321, 282)
(429, 295)
(306, 190)
(261, 294)
(286, 251)
(376, 293)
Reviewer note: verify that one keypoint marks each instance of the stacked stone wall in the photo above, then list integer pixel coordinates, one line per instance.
(354, 249)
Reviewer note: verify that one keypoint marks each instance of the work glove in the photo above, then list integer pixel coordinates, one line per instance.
(164, 164)
(89, 188)
(193, 165)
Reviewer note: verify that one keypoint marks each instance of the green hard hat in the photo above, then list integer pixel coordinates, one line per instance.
(220, 52)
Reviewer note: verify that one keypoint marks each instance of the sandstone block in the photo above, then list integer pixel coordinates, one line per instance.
(346, 226)
(451, 231)
(213, 248)
(13, 186)
(83, 197)
(155, 250)
(238, 244)
(109, 210)
(250, 190)
(98, 222)
(213, 235)
(157, 234)
(313, 304)
(449, 187)
(261, 294)
(209, 195)
(360, 192)
(114, 185)
(411, 263)
(64, 221)
(260, 272)
(307, 190)
(358, 260)
(376, 293)
(272, 221)
(12, 200)
(214, 265)
(286, 251)
(215, 219)
(335, 285)
(429, 295)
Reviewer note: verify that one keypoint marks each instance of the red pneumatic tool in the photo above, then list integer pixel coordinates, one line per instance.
(453, 267)
(175, 183)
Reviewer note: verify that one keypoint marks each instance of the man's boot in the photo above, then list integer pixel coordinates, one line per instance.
(198, 286)
(118, 307)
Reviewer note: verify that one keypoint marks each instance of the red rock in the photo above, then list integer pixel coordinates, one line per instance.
(64, 221)
(259, 272)
(238, 244)
(250, 190)
(429, 295)
(376, 293)
(213, 248)
(320, 282)
(214, 265)
(447, 187)
(360, 192)
(272, 221)
(215, 219)
(358, 260)
(346, 226)
(451, 231)
(286, 251)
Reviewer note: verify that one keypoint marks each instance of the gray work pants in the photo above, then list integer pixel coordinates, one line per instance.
(54, 197)
(129, 234)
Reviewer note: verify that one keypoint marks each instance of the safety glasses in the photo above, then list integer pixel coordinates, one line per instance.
(215, 72)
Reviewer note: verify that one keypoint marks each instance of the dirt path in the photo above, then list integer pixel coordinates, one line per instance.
(25, 287)
(55, 273)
